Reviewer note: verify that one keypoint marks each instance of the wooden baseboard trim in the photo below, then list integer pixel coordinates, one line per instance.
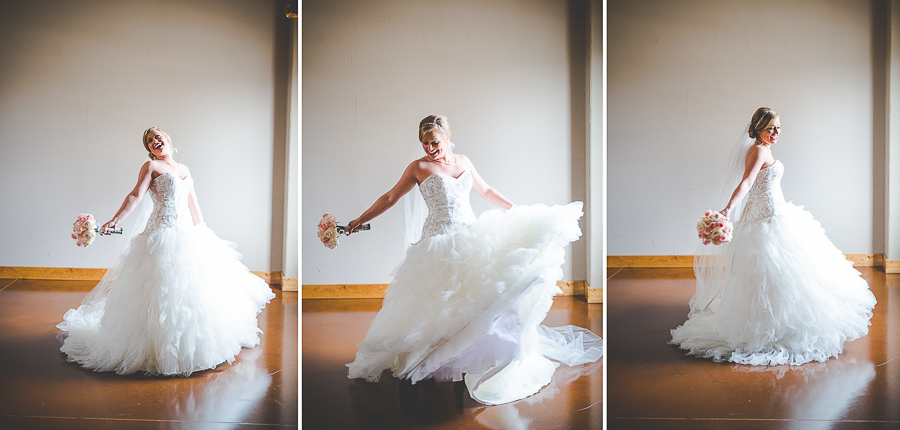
(290, 284)
(376, 291)
(891, 266)
(650, 261)
(52, 273)
(343, 291)
(858, 260)
(863, 260)
(80, 274)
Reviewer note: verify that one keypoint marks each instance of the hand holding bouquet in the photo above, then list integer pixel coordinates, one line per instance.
(329, 231)
(714, 228)
(85, 230)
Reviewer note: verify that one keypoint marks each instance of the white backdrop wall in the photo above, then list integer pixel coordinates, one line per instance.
(79, 83)
(373, 69)
(685, 77)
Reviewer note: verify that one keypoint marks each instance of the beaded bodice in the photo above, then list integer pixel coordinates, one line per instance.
(170, 207)
(448, 203)
(765, 195)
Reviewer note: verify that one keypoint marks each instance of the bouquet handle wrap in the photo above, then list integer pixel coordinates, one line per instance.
(342, 229)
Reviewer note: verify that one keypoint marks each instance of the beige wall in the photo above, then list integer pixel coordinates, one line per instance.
(80, 81)
(501, 71)
(684, 77)
(596, 167)
(891, 192)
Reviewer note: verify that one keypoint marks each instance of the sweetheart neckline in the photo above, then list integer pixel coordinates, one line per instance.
(173, 175)
(770, 165)
(442, 173)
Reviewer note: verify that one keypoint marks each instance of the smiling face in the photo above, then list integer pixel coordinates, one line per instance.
(769, 135)
(157, 142)
(435, 145)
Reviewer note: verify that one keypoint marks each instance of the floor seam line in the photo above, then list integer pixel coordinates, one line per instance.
(7, 285)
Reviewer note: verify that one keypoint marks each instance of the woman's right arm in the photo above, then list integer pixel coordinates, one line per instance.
(755, 160)
(134, 197)
(389, 199)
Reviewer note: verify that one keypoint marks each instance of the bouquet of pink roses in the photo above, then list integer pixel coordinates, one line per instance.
(329, 231)
(714, 228)
(85, 230)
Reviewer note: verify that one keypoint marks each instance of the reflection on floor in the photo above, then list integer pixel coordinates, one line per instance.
(653, 385)
(331, 330)
(41, 390)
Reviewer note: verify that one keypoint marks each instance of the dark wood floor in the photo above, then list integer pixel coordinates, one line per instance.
(41, 390)
(653, 385)
(331, 330)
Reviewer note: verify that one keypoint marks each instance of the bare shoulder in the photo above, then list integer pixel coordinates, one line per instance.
(152, 166)
(757, 151)
(463, 159)
(416, 165)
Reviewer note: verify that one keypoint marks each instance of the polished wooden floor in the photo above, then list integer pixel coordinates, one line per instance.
(39, 389)
(331, 330)
(653, 385)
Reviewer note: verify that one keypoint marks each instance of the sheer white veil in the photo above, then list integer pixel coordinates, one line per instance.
(712, 263)
(415, 210)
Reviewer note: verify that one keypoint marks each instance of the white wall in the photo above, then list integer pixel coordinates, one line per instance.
(373, 69)
(79, 83)
(892, 159)
(596, 266)
(292, 178)
(684, 77)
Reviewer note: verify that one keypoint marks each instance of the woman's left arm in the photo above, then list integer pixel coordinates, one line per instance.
(486, 191)
(195, 207)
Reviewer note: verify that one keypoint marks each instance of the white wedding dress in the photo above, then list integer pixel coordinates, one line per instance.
(177, 301)
(468, 299)
(791, 296)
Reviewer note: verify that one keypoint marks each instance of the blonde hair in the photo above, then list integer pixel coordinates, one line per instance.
(432, 123)
(762, 119)
(147, 146)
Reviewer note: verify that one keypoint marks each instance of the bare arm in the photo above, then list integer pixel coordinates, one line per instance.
(134, 197)
(389, 199)
(195, 207)
(486, 191)
(756, 157)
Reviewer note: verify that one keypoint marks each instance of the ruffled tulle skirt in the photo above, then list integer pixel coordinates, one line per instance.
(792, 297)
(468, 305)
(177, 301)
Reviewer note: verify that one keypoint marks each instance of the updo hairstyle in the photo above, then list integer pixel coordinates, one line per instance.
(147, 146)
(762, 119)
(435, 123)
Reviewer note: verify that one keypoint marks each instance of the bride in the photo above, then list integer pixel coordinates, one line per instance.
(178, 300)
(468, 299)
(780, 292)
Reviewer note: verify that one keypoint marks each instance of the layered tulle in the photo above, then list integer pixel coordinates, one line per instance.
(791, 297)
(471, 302)
(178, 301)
